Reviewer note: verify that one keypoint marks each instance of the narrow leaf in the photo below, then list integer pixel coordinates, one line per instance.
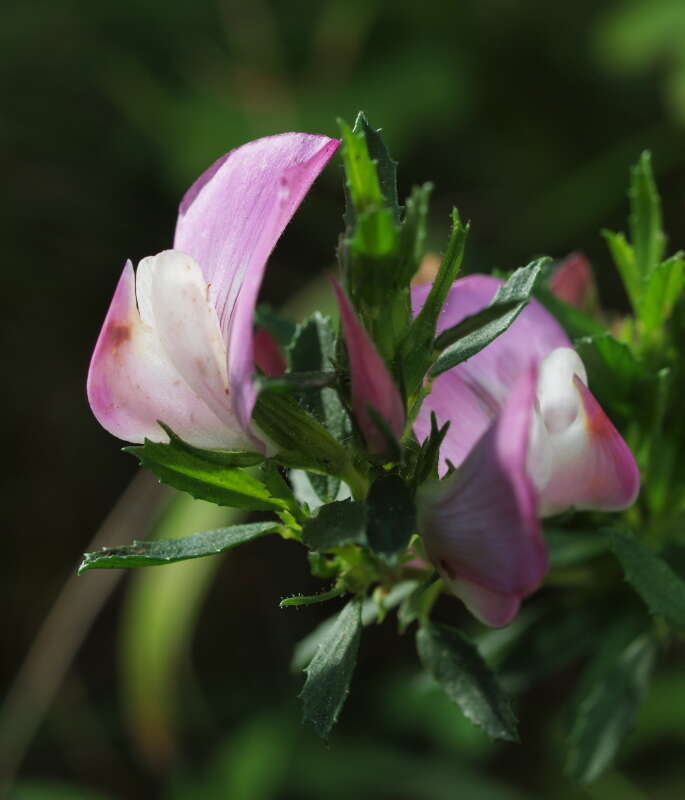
(226, 458)
(330, 671)
(385, 166)
(467, 680)
(166, 551)
(651, 577)
(608, 711)
(475, 332)
(626, 263)
(645, 217)
(337, 524)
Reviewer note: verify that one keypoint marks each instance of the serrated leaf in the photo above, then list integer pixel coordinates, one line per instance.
(205, 479)
(651, 577)
(413, 233)
(476, 331)
(457, 666)
(386, 168)
(417, 346)
(607, 713)
(626, 263)
(225, 458)
(330, 671)
(646, 232)
(390, 517)
(337, 524)
(167, 551)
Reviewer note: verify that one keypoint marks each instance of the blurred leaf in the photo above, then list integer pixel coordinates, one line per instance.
(467, 680)
(419, 340)
(476, 331)
(662, 288)
(166, 551)
(570, 548)
(608, 711)
(646, 232)
(278, 325)
(330, 670)
(52, 790)
(296, 600)
(574, 321)
(613, 371)
(626, 263)
(157, 625)
(204, 478)
(391, 517)
(651, 577)
(337, 524)
(413, 233)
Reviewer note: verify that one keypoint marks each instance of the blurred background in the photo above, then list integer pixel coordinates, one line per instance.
(176, 682)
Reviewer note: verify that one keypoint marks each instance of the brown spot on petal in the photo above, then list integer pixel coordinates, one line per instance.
(118, 334)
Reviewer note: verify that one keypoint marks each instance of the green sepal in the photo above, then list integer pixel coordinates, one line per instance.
(295, 382)
(330, 671)
(224, 458)
(204, 478)
(476, 331)
(652, 578)
(386, 168)
(458, 667)
(167, 551)
(607, 712)
(298, 600)
(390, 517)
(428, 457)
(418, 344)
(336, 525)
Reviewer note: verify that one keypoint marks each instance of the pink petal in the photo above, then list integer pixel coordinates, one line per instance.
(471, 394)
(588, 464)
(480, 523)
(267, 354)
(573, 282)
(230, 221)
(132, 382)
(370, 379)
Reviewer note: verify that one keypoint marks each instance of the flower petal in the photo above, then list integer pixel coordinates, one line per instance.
(132, 382)
(573, 282)
(370, 379)
(230, 221)
(471, 394)
(480, 523)
(267, 353)
(588, 464)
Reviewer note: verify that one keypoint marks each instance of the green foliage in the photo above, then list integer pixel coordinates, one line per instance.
(166, 551)
(391, 517)
(330, 671)
(457, 666)
(607, 712)
(204, 478)
(336, 525)
(651, 577)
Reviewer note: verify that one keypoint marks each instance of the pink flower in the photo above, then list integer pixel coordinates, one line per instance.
(528, 439)
(371, 384)
(177, 341)
(573, 282)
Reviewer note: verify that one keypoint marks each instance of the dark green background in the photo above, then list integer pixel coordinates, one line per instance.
(526, 115)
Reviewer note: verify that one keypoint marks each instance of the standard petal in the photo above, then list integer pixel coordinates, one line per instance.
(471, 395)
(267, 353)
(132, 382)
(588, 464)
(230, 221)
(480, 524)
(371, 383)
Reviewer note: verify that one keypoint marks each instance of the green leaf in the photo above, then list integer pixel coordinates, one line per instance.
(575, 322)
(362, 180)
(336, 525)
(646, 232)
(613, 371)
(203, 478)
(413, 233)
(662, 288)
(280, 327)
(391, 517)
(297, 600)
(417, 346)
(608, 711)
(570, 548)
(225, 458)
(166, 551)
(295, 382)
(467, 680)
(429, 454)
(651, 577)
(626, 263)
(386, 168)
(475, 332)
(302, 440)
(330, 671)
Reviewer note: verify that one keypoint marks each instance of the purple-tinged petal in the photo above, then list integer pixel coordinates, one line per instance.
(573, 282)
(267, 354)
(230, 221)
(132, 382)
(471, 394)
(480, 523)
(587, 464)
(370, 380)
